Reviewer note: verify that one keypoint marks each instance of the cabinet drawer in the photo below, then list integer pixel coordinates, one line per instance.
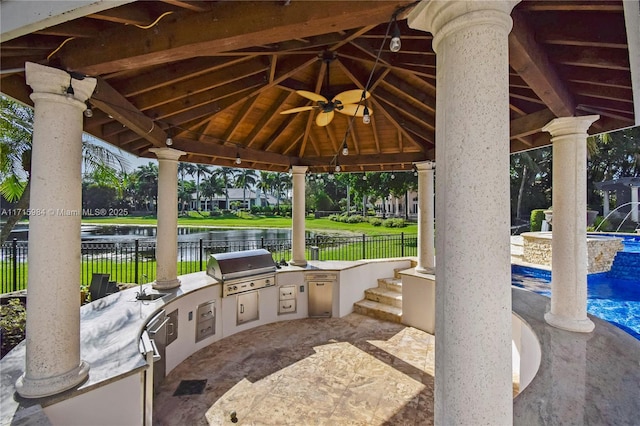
(205, 329)
(206, 311)
(287, 306)
(287, 292)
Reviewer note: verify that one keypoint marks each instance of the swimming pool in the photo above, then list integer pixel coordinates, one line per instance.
(614, 300)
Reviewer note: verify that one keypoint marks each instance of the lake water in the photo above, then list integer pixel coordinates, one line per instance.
(100, 233)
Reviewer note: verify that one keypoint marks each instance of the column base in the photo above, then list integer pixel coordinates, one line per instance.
(166, 285)
(38, 388)
(294, 262)
(425, 270)
(569, 324)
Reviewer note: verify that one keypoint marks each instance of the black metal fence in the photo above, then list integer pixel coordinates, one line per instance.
(135, 261)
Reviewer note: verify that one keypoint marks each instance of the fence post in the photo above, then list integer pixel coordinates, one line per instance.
(14, 247)
(402, 242)
(135, 267)
(262, 242)
(201, 253)
(364, 246)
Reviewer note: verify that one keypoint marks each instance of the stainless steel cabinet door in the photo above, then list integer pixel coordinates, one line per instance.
(248, 308)
(320, 298)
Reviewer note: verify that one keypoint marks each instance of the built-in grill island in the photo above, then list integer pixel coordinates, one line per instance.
(242, 274)
(242, 271)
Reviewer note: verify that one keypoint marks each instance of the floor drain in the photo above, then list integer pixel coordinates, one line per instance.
(190, 387)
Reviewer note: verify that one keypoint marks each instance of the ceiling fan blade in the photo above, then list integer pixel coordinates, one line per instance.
(324, 118)
(298, 109)
(351, 96)
(351, 110)
(311, 95)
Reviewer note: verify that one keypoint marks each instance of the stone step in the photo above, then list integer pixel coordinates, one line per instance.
(393, 284)
(383, 295)
(378, 310)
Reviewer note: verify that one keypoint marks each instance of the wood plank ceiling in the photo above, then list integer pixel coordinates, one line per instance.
(215, 76)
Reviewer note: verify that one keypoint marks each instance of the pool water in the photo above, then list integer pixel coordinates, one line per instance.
(614, 300)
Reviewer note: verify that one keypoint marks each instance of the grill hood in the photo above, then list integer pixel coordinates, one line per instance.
(240, 264)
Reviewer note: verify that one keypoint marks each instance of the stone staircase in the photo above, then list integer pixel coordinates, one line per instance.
(385, 301)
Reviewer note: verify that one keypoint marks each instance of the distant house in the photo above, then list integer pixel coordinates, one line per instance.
(397, 206)
(244, 198)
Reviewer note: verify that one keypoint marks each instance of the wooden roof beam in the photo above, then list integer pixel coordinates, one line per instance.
(114, 104)
(531, 63)
(235, 28)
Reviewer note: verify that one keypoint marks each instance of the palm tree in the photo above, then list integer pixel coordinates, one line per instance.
(227, 176)
(266, 181)
(183, 170)
(200, 170)
(16, 133)
(147, 183)
(280, 185)
(246, 178)
(213, 186)
(185, 190)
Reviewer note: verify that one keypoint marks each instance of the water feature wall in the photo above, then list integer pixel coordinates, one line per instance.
(626, 266)
(601, 250)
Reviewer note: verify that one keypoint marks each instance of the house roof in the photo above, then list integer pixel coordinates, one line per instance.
(216, 76)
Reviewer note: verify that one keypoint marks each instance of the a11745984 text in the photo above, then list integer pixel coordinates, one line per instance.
(99, 212)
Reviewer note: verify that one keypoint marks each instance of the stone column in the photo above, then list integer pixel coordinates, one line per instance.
(426, 214)
(605, 202)
(53, 361)
(473, 293)
(167, 234)
(569, 242)
(634, 203)
(298, 213)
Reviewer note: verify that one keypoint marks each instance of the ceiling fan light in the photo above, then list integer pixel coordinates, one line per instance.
(366, 117)
(238, 160)
(345, 150)
(338, 168)
(169, 141)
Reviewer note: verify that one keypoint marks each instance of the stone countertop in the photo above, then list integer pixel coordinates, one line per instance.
(584, 378)
(110, 330)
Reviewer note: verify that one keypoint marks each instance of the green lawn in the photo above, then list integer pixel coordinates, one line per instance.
(381, 242)
(249, 221)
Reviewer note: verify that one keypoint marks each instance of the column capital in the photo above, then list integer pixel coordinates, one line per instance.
(299, 169)
(43, 79)
(444, 17)
(563, 126)
(167, 153)
(425, 165)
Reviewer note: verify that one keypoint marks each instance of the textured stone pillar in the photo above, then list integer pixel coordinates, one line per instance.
(426, 214)
(569, 244)
(634, 204)
(53, 361)
(473, 294)
(167, 235)
(298, 213)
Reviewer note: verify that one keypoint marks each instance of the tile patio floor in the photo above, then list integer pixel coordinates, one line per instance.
(354, 370)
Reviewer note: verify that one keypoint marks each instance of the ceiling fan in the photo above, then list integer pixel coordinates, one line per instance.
(346, 102)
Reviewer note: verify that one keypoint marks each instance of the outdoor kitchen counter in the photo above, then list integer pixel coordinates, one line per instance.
(110, 330)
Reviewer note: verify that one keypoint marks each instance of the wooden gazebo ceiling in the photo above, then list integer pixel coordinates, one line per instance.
(216, 75)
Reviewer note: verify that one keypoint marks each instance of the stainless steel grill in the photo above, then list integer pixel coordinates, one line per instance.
(241, 271)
